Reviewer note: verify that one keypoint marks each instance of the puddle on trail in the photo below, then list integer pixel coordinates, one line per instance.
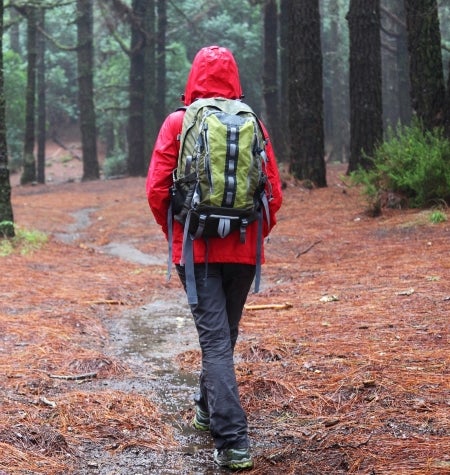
(148, 339)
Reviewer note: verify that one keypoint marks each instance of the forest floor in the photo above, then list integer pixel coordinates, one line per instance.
(342, 362)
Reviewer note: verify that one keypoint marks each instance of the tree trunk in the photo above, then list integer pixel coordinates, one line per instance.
(305, 93)
(86, 89)
(150, 128)
(284, 141)
(41, 126)
(444, 16)
(135, 132)
(447, 107)
(366, 121)
(14, 31)
(270, 72)
(339, 88)
(390, 83)
(160, 108)
(426, 69)
(395, 64)
(404, 85)
(29, 164)
(6, 212)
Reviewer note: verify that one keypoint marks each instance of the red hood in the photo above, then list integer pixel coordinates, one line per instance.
(214, 73)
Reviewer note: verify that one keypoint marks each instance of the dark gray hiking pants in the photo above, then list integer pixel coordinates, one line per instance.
(221, 299)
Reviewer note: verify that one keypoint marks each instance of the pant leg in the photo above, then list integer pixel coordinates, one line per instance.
(218, 386)
(237, 280)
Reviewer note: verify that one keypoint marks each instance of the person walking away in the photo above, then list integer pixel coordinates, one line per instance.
(224, 267)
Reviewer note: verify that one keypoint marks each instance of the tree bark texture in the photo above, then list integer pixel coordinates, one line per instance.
(29, 163)
(85, 53)
(339, 132)
(284, 140)
(6, 212)
(404, 85)
(426, 69)
(41, 126)
(14, 31)
(305, 93)
(395, 62)
(135, 132)
(161, 63)
(270, 72)
(447, 106)
(366, 119)
(150, 64)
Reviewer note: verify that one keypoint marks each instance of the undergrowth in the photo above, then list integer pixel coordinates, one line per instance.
(411, 168)
(23, 242)
(115, 165)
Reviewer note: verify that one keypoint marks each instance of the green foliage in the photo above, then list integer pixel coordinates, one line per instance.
(411, 164)
(61, 94)
(24, 241)
(111, 86)
(177, 70)
(6, 227)
(234, 24)
(437, 217)
(115, 165)
(61, 65)
(61, 74)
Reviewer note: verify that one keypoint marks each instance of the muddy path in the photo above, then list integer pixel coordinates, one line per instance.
(148, 339)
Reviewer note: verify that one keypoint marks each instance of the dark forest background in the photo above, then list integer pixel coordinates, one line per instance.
(328, 77)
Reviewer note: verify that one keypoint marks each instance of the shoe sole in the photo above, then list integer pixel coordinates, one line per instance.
(240, 465)
(235, 465)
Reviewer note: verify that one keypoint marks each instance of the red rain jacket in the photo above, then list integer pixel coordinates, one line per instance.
(214, 73)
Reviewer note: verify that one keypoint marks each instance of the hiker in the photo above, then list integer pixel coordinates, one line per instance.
(224, 266)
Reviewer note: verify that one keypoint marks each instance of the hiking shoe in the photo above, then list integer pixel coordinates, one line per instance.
(201, 419)
(235, 459)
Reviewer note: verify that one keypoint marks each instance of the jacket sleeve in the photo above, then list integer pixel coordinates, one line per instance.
(162, 163)
(273, 187)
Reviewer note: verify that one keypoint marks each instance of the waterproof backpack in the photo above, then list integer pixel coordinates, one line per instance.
(219, 183)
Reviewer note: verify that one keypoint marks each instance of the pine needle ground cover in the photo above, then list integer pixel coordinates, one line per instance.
(343, 357)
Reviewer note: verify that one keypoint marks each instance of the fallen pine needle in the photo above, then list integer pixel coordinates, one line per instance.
(270, 306)
(73, 377)
(300, 253)
(105, 302)
(47, 402)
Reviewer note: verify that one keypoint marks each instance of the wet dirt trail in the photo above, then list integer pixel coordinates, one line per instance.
(148, 339)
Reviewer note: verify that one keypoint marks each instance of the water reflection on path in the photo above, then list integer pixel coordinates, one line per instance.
(148, 339)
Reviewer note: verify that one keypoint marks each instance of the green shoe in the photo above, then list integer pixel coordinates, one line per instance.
(235, 459)
(201, 419)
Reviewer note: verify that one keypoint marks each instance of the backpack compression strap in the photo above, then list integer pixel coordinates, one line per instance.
(170, 241)
(188, 261)
(259, 239)
(188, 252)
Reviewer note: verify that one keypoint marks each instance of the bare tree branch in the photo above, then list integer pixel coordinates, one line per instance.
(393, 17)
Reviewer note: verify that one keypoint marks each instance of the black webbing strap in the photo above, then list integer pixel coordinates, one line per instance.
(188, 261)
(259, 238)
(169, 241)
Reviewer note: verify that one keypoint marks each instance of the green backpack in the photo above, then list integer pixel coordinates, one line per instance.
(219, 183)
